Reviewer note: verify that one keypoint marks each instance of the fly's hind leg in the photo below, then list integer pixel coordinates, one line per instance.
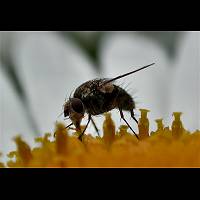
(133, 116)
(122, 116)
(97, 130)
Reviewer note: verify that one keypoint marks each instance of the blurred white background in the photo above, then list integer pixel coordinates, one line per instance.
(38, 70)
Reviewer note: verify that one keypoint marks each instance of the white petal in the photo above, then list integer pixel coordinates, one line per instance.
(124, 52)
(50, 68)
(13, 120)
(186, 87)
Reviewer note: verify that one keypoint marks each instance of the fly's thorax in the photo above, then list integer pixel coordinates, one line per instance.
(86, 89)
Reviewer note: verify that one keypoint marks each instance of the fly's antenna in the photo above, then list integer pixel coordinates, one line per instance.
(62, 108)
(123, 75)
(70, 94)
(60, 114)
(62, 111)
(65, 98)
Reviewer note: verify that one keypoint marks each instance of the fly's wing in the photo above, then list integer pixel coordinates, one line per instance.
(123, 75)
(105, 85)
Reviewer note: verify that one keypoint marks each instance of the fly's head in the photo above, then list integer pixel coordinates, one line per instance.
(74, 108)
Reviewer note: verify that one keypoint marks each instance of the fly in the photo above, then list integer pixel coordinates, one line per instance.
(96, 97)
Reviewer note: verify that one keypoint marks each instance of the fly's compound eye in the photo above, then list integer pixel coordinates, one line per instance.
(77, 105)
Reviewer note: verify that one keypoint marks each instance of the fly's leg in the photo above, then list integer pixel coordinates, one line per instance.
(97, 130)
(133, 116)
(54, 135)
(69, 125)
(81, 135)
(122, 116)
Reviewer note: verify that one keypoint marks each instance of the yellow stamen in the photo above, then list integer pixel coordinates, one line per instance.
(143, 124)
(123, 130)
(177, 126)
(108, 129)
(23, 149)
(61, 139)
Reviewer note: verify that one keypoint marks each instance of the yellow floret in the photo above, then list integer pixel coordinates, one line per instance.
(171, 146)
(1, 164)
(143, 124)
(108, 129)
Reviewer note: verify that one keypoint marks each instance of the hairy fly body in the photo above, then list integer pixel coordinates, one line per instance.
(96, 97)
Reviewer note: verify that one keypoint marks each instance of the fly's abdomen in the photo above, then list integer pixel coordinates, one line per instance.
(124, 100)
(99, 103)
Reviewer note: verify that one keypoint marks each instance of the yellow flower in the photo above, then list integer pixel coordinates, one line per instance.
(166, 147)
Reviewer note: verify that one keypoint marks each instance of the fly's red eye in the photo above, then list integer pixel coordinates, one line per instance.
(77, 105)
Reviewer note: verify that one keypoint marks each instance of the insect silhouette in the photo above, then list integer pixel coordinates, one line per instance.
(96, 97)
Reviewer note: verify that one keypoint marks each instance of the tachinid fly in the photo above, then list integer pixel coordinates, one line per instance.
(98, 96)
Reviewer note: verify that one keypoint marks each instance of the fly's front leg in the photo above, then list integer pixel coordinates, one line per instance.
(81, 135)
(54, 135)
